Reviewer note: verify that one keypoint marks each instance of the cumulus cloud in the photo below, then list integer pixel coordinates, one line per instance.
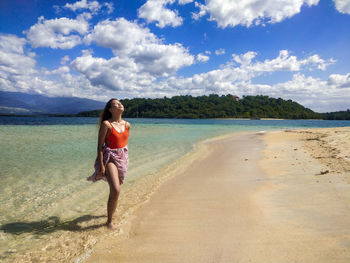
(63, 33)
(58, 71)
(284, 62)
(14, 62)
(202, 58)
(156, 11)
(11, 43)
(311, 92)
(230, 13)
(121, 35)
(118, 74)
(342, 81)
(17, 67)
(202, 11)
(64, 60)
(93, 6)
(220, 51)
(110, 7)
(245, 58)
(184, 2)
(314, 93)
(343, 6)
(237, 76)
(125, 74)
(18, 73)
(130, 41)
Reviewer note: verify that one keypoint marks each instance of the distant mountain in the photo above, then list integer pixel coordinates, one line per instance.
(22, 103)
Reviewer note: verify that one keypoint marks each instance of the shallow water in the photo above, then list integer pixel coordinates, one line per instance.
(48, 209)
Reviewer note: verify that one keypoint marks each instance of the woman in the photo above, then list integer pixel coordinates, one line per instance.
(112, 153)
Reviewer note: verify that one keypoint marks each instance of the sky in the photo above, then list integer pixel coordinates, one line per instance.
(290, 49)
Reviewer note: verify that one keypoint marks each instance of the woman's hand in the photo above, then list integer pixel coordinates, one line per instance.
(101, 173)
(101, 140)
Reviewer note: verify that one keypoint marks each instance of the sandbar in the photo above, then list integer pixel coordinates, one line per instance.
(277, 196)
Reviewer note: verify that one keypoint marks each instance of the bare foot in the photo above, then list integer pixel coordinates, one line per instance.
(98, 177)
(110, 226)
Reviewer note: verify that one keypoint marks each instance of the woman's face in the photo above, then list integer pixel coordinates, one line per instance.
(116, 106)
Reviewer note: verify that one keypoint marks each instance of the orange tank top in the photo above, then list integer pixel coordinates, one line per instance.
(117, 139)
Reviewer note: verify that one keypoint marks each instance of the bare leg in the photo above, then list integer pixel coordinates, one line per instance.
(114, 190)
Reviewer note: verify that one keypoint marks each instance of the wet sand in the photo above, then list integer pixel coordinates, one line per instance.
(250, 197)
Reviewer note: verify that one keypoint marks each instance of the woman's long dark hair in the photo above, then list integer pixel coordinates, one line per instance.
(106, 114)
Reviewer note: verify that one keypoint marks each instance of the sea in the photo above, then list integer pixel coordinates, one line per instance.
(50, 212)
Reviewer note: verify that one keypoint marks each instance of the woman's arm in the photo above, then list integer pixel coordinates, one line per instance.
(128, 126)
(101, 140)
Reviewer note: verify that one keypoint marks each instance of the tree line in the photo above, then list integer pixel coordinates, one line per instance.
(214, 106)
(338, 115)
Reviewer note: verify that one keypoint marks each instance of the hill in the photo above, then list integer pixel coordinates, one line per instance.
(213, 106)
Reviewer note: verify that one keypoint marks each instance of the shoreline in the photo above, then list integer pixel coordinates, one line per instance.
(228, 118)
(165, 174)
(86, 234)
(73, 239)
(180, 194)
(269, 220)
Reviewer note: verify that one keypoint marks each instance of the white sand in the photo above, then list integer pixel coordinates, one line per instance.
(253, 198)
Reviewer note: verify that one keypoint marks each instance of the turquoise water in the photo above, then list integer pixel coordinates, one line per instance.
(44, 163)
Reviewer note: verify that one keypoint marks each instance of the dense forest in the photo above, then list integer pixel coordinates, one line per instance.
(338, 115)
(213, 106)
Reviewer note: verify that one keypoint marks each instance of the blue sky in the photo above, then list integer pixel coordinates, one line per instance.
(293, 49)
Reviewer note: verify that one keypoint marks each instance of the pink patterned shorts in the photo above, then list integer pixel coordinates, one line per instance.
(118, 156)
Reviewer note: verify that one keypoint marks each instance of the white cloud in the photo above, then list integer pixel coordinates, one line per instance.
(18, 73)
(202, 11)
(122, 75)
(342, 81)
(220, 51)
(63, 33)
(343, 6)
(14, 61)
(125, 75)
(284, 62)
(93, 6)
(184, 2)
(230, 13)
(314, 93)
(202, 58)
(11, 43)
(121, 35)
(118, 74)
(245, 58)
(130, 41)
(156, 11)
(236, 77)
(110, 7)
(64, 60)
(59, 71)
(102, 78)
(309, 92)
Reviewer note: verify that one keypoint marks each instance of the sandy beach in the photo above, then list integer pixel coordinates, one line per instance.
(280, 196)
